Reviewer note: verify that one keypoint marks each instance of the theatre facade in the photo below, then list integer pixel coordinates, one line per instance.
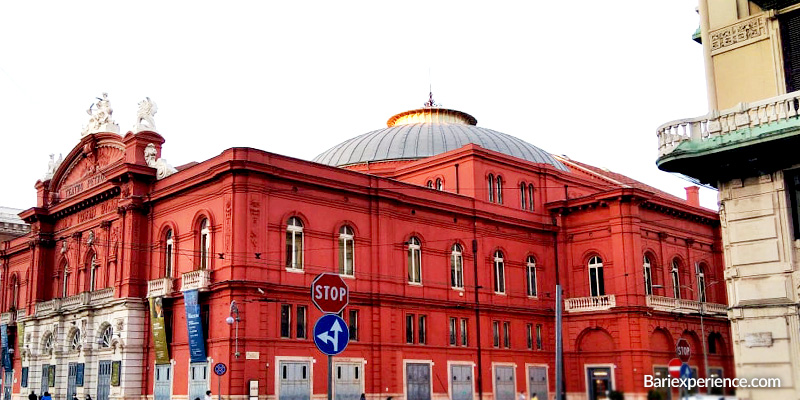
(451, 237)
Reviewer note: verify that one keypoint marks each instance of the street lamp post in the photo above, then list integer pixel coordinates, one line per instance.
(234, 318)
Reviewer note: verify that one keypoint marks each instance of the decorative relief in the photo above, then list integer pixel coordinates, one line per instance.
(144, 117)
(228, 214)
(163, 169)
(753, 28)
(100, 117)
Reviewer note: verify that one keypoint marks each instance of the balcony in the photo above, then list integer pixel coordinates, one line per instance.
(97, 298)
(159, 287)
(198, 280)
(21, 313)
(593, 303)
(722, 144)
(683, 306)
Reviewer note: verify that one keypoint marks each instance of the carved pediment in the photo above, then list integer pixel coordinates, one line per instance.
(83, 167)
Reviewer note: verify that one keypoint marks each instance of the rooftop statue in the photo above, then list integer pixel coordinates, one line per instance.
(163, 169)
(144, 117)
(52, 166)
(100, 117)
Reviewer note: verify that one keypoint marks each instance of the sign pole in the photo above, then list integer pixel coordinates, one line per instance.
(330, 377)
(219, 387)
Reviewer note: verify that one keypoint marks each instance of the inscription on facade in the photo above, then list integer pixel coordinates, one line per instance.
(740, 33)
(88, 214)
(758, 339)
(79, 187)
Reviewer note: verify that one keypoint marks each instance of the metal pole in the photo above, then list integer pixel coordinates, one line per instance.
(559, 349)
(477, 317)
(330, 377)
(703, 331)
(219, 387)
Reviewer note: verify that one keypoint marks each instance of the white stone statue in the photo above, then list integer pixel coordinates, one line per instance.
(52, 166)
(144, 117)
(100, 117)
(163, 169)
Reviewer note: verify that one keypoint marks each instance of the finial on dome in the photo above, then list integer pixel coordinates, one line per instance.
(430, 103)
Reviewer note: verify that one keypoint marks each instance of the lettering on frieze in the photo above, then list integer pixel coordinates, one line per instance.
(740, 33)
(80, 187)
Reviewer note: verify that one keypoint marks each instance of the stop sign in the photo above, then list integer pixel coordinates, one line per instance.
(682, 350)
(329, 293)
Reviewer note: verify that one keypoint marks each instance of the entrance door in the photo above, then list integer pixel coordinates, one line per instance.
(662, 373)
(599, 383)
(72, 374)
(461, 382)
(418, 381)
(295, 380)
(198, 380)
(537, 383)
(347, 381)
(45, 373)
(8, 379)
(103, 380)
(162, 388)
(504, 386)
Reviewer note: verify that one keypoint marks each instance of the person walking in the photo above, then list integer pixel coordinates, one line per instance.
(47, 396)
(33, 396)
(208, 395)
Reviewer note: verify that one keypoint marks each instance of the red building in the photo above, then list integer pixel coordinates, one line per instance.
(451, 238)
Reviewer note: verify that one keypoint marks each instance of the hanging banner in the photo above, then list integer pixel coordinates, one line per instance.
(20, 335)
(159, 331)
(197, 347)
(4, 343)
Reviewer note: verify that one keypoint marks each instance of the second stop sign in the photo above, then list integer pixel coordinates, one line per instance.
(329, 293)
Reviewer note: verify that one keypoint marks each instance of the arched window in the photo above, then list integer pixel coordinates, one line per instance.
(47, 343)
(93, 272)
(491, 188)
(106, 337)
(75, 343)
(530, 197)
(294, 243)
(205, 244)
(439, 184)
(499, 272)
(169, 250)
(701, 283)
(456, 267)
(523, 201)
(648, 276)
(64, 278)
(429, 184)
(14, 303)
(596, 282)
(676, 281)
(414, 260)
(346, 251)
(499, 190)
(530, 276)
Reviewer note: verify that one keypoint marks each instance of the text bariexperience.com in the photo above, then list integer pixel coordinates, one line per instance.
(691, 383)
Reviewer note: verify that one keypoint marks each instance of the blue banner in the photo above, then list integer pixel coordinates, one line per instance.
(4, 343)
(197, 344)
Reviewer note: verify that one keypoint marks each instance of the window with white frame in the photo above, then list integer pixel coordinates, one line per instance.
(499, 190)
(439, 184)
(346, 251)
(491, 188)
(701, 283)
(414, 260)
(107, 337)
(429, 184)
(75, 343)
(453, 331)
(169, 249)
(676, 280)
(294, 243)
(596, 282)
(648, 276)
(464, 333)
(530, 276)
(456, 267)
(523, 200)
(205, 244)
(499, 272)
(530, 197)
(48, 342)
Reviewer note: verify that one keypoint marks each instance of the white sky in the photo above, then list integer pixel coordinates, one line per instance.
(588, 79)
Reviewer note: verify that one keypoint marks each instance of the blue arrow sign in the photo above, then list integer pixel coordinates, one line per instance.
(220, 369)
(686, 371)
(331, 335)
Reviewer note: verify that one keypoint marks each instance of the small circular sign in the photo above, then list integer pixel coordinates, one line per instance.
(220, 369)
(674, 367)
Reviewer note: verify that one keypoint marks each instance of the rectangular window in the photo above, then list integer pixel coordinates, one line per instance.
(507, 335)
(453, 326)
(352, 325)
(539, 345)
(410, 320)
(301, 322)
(531, 279)
(529, 332)
(286, 321)
(496, 333)
(422, 329)
(464, 340)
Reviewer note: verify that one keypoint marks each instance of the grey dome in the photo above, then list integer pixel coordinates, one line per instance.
(420, 140)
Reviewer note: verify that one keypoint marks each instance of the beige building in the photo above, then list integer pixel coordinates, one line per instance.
(747, 146)
(11, 225)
